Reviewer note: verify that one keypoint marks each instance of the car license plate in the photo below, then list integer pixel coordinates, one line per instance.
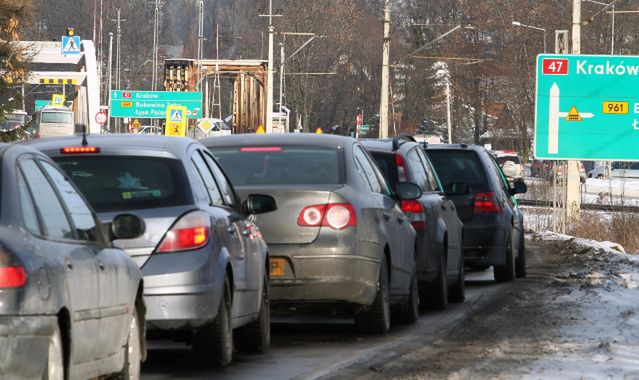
(277, 267)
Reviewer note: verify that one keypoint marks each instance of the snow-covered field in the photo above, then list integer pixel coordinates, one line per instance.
(611, 191)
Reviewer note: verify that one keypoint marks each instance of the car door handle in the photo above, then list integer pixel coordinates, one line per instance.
(69, 264)
(101, 265)
(386, 216)
(231, 230)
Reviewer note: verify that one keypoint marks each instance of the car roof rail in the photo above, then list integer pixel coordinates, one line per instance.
(400, 139)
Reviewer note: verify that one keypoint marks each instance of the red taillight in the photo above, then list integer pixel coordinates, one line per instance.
(80, 150)
(402, 174)
(486, 203)
(415, 213)
(334, 215)
(261, 149)
(12, 277)
(190, 232)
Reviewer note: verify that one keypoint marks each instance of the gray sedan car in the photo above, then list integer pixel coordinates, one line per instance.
(338, 238)
(204, 262)
(71, 304)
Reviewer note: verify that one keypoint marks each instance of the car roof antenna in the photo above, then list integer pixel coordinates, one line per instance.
(84, 135)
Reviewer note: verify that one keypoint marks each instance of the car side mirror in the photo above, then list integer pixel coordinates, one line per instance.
(408, 191)
(259, 204)
(519, 188)
(126, 226)
(458, 189)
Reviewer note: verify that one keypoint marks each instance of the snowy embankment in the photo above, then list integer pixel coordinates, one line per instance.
(602, 292)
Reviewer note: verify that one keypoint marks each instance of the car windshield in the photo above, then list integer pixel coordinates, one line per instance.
(502, 159)
(118, 183)
(281, 165)
(57, 117)
(458, 166)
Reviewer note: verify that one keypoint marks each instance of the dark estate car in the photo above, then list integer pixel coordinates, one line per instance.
(495, 234)
(338, 239)
(440, 260)
(204, 263)
(61, 280)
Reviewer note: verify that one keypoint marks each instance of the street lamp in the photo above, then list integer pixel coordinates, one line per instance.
(517, 23)
(612, 32)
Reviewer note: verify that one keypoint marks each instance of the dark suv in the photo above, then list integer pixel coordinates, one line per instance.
(495, 234)
(439, 258)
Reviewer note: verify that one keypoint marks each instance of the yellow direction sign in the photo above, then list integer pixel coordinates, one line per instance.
(573, 115)
(175, 121)
(57, 100)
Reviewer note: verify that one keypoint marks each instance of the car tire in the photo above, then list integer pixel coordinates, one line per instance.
(520, 262)
(132, 351)
(55, 360)
(214, 342)
(410, 313)
(376, 320)
(506, 272)
(435, 294)
(458, 293)
(255, 337)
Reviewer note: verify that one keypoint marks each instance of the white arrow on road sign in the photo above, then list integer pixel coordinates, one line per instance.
(553, 119)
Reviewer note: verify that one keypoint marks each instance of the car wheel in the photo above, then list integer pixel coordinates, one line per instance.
(256, 336)
(435, 294)
(410, 314)
(458, 292)
(55, 361)
(132, 351)
(376, 320)
(215, 341)
(506, 272)
(520, 262)
(600, 176)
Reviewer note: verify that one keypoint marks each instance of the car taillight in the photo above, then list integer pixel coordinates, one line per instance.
(486, 203)
(190, 232)
(402, 173)
(415, 213)
(12, 277)
(334, 215)
(79, 150)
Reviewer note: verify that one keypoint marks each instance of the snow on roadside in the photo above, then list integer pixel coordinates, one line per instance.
(603, 341)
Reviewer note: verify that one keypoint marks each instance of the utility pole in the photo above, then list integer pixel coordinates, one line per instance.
(448, 121)
(110, 76)
(156, 43)
(269, 98)
(282, 60)
(383, 108)
(117, 58)
(572, 190)
(200, 44)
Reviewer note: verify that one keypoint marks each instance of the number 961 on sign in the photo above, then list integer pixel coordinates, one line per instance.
(615, 108)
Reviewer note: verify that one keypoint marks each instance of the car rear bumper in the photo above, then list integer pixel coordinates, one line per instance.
(24, 345)
(179, 290)
(326, 274)
(485, 244)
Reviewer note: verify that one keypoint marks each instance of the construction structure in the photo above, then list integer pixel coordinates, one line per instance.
(249, 79)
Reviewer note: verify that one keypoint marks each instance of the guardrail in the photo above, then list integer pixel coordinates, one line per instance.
(584, 206)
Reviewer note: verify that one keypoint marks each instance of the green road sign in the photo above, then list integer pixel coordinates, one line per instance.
(587, 107)
(41, 104)
(153, 104)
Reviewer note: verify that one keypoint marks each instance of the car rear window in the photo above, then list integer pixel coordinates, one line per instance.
(57, 117)
(502, 159)
(458, 166)
(386, 163)
(281, 165)
(121, 183)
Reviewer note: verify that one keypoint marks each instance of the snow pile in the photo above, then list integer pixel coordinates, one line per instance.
(602, 338)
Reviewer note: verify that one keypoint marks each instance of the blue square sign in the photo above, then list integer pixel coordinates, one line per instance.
(70, 45)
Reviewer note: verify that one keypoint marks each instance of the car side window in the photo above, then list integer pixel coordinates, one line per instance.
(430, 171)
(207, 177)
(501, 178)
(225, 186)
(417, 171)
(367, 170)
(82, 216)
(54, 219)
(27, 208)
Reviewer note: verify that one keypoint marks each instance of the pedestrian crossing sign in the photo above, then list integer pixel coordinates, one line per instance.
(175, 121)
(70, 45)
